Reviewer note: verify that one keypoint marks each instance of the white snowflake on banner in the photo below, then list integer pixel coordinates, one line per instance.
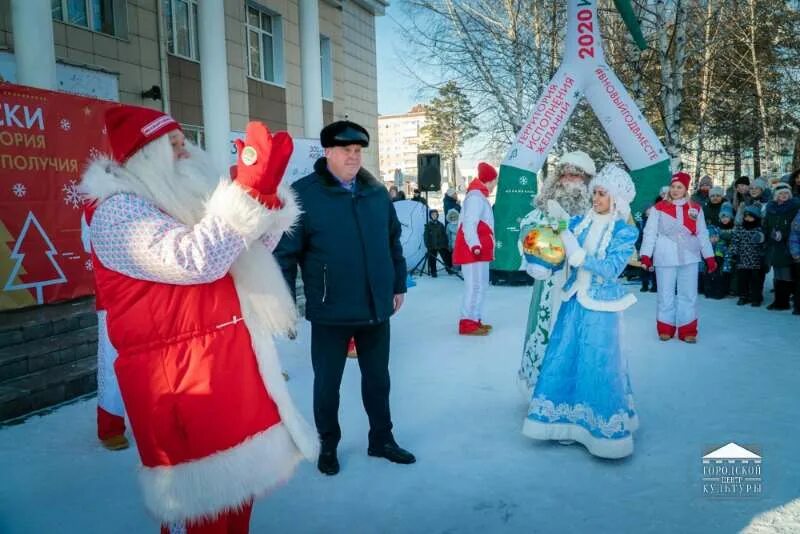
(94, 153)
(19, 190)
(65, 125)
(499, 244)
(72, 196)
(523, 180)
(88, 265)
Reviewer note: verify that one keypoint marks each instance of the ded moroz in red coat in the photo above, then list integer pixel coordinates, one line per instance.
(192, 311)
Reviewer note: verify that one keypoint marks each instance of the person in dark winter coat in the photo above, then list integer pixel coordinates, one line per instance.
(418, 197)
(435, 237)
(747, 245)
(794, 251)
(716, 197)
(701, 194)
(794, 183)
(715, 285)
(777, 225)
(726, 226)
(347, 244)
(450, 202)
(739, 193)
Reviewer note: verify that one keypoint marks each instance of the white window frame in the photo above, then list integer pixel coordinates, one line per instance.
(326, 67)
(194, 39)
(277, 44)
(197, 132)
(117, 31)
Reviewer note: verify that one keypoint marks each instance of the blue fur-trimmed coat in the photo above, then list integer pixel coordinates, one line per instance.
(595, 281)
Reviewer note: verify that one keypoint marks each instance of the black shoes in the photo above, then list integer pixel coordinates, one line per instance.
(742, 301)
(778, 306)
(392, 452)
(328, 463)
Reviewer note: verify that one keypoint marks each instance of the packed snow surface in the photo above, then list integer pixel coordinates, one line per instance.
(456, 405)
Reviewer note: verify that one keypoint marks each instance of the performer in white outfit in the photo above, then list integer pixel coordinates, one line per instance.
(567, 186)
(675, 241)
(110, 409)
(474, 249)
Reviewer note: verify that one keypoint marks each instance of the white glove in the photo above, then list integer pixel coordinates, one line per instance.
(555, 210)
(575, 253)
(538, 272)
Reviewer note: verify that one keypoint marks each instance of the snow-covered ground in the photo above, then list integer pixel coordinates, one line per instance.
(456, 406)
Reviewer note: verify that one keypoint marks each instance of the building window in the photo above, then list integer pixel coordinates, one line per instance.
(326, 60)
(195, 134)
(264, 45)
(182, 28)
(96, 15)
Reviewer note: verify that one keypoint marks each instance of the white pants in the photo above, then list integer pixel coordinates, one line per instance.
(677, 311)
(109, 397)
(476, 280)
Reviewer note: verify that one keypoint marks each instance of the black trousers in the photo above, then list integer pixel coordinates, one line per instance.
(751, 284)
(328, 357)
(432, 253)
(717, 285)
(796, 285)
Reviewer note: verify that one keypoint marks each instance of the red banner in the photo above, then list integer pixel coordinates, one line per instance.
(46, 139)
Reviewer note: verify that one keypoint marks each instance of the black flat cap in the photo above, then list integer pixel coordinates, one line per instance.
(343, 133)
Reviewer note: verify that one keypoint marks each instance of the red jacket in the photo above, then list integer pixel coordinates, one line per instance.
(478, 220)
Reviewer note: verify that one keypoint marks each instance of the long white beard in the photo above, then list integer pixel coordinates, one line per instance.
(572, 196)
(179, 188)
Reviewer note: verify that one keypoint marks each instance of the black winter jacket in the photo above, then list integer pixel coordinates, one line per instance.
(347, 245)
(435, 236)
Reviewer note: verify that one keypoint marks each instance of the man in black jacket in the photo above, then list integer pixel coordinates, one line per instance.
(347, 243)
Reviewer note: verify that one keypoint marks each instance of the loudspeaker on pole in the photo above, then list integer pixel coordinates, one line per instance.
(429, 174)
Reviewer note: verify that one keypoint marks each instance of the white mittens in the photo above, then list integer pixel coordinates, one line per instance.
(575, 254)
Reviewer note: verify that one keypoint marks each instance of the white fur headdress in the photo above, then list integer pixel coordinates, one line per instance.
(619, 185)
(579, 159)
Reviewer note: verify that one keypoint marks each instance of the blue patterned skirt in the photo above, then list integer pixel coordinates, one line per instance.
(583, 392)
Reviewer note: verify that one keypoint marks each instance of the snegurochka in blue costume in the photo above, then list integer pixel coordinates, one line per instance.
(583, 393)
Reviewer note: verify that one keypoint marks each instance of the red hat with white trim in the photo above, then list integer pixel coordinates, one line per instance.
(130, 128)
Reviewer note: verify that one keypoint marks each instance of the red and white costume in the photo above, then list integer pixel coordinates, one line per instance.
(192, 307)
(676, 238)
(474, 247)
(110, 408)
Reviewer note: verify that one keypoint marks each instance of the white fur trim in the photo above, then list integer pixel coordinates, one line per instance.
(603, 448)
(225, 480)
(268, 309)
(241, 211)
(104, 178)
(247, 215)
(618, 305)
(579, 159)
(576, 258)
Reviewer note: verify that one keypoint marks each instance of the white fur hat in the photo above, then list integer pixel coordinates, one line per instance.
(579, 159)
(620, 186)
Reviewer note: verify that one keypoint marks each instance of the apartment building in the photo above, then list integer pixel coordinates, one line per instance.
(399, 138)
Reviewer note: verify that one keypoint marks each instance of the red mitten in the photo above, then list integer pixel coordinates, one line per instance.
(476, 250)
(262, 161)
(647, 261)
(711, 265)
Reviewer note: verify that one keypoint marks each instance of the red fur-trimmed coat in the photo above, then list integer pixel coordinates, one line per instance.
(192, 311)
